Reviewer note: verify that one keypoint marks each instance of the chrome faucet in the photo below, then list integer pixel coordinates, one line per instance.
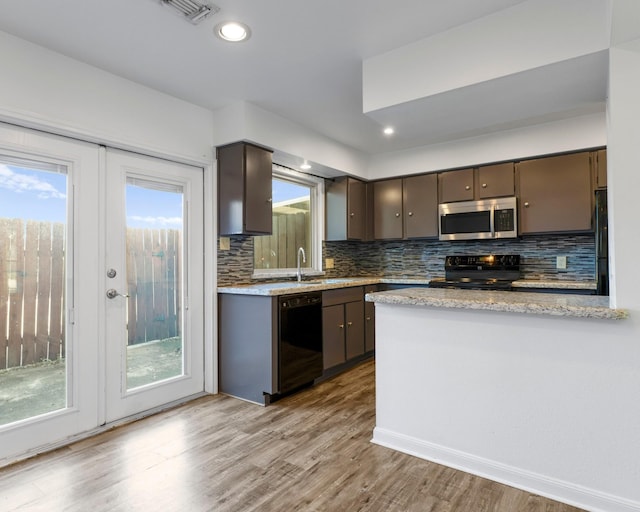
(304, 260)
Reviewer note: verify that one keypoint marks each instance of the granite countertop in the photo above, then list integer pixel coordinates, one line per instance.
(555, 283)
(314, 285)
(584, 306)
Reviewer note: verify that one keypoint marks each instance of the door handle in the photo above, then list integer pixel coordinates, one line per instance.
(112, 294)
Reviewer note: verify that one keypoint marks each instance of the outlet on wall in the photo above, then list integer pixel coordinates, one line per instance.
(225, 243)
(328, 263)
(561, 262)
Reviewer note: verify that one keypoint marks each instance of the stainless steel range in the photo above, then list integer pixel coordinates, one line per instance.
(479, 272)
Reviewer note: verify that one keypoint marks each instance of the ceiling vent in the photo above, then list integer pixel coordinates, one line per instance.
(195, 12)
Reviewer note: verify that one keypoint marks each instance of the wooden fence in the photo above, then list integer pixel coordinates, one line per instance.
(153, 283)
(32, 302)
(280, 249)
(31, 291)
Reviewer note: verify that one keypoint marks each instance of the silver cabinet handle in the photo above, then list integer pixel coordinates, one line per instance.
(269, 200)
(467, 187)
(397, 215)
(484, 185)
(341, 326)
(352, 214)
(410, 214)
(349, 324)
(526, 205)
(112, 294)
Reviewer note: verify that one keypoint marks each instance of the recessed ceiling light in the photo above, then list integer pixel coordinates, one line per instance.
(388, 130)
(232, 31)
(305, 166)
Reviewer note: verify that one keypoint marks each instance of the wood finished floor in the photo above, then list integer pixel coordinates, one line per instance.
(309, 452)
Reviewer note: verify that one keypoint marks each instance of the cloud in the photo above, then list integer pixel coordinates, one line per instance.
(21, 183)
(157, 221)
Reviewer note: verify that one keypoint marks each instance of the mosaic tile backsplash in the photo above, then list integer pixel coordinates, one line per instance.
(425, 258)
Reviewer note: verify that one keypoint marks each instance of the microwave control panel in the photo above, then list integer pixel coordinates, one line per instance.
(504, 220)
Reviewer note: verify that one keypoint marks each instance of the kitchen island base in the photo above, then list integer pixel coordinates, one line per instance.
(539, 402)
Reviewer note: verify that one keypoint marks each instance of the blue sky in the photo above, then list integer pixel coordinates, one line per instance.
(32, 194)
(282, 190)
(41, 195)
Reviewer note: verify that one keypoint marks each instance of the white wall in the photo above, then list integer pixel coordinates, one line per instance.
(45, 90)
(624, 174)
(567, 135)
(293, 143)
(526, 36)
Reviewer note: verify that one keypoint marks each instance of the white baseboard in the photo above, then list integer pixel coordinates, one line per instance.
(558, 490)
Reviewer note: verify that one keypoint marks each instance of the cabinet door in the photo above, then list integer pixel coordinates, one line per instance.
(333, 327)
(257, 205)
(387, 205)
(346, 209)
(496, 181)
(456, 185)
(555, 194)
(369, 326)
(354, 315)
(420, 206)
(356, 209)
(244, 190)
(601, 168)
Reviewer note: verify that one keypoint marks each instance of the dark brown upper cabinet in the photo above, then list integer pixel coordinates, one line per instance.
(484, 182)
(495, 181)
(244, 189)
(346, 209)
(600, 163)
(387, 209)
(555, 194)
(406, 207)
(420, 206)
(456, 185)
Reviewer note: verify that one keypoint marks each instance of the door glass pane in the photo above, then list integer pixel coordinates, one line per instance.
(154, 282)
(33, 213)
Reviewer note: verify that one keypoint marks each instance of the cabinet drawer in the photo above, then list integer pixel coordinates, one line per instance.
(342, 295)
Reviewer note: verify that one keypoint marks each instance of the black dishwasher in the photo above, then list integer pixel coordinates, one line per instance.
(300, 340)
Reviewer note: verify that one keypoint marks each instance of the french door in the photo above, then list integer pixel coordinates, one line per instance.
(153, 283)
(101, 294)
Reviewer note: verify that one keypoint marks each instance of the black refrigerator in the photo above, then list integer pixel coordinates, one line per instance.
(602, 242)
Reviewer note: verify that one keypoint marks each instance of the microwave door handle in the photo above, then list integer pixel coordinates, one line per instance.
(491, 221)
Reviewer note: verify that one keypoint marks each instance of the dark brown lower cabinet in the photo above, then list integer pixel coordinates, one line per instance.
(343, 325)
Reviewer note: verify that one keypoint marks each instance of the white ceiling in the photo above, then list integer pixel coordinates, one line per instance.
(303, 61)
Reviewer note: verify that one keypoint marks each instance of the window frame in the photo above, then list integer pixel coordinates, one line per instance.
(316, 205)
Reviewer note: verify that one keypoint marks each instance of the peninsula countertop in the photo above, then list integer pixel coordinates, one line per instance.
(556, 304)
(271, 288)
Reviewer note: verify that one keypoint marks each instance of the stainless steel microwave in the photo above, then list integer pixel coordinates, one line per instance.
(484, 219)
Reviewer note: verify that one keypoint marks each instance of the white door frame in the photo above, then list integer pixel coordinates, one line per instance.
(83, 240)
(120, 403)
(25, 438)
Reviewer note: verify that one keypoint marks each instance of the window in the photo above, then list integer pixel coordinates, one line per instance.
(297, 222)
